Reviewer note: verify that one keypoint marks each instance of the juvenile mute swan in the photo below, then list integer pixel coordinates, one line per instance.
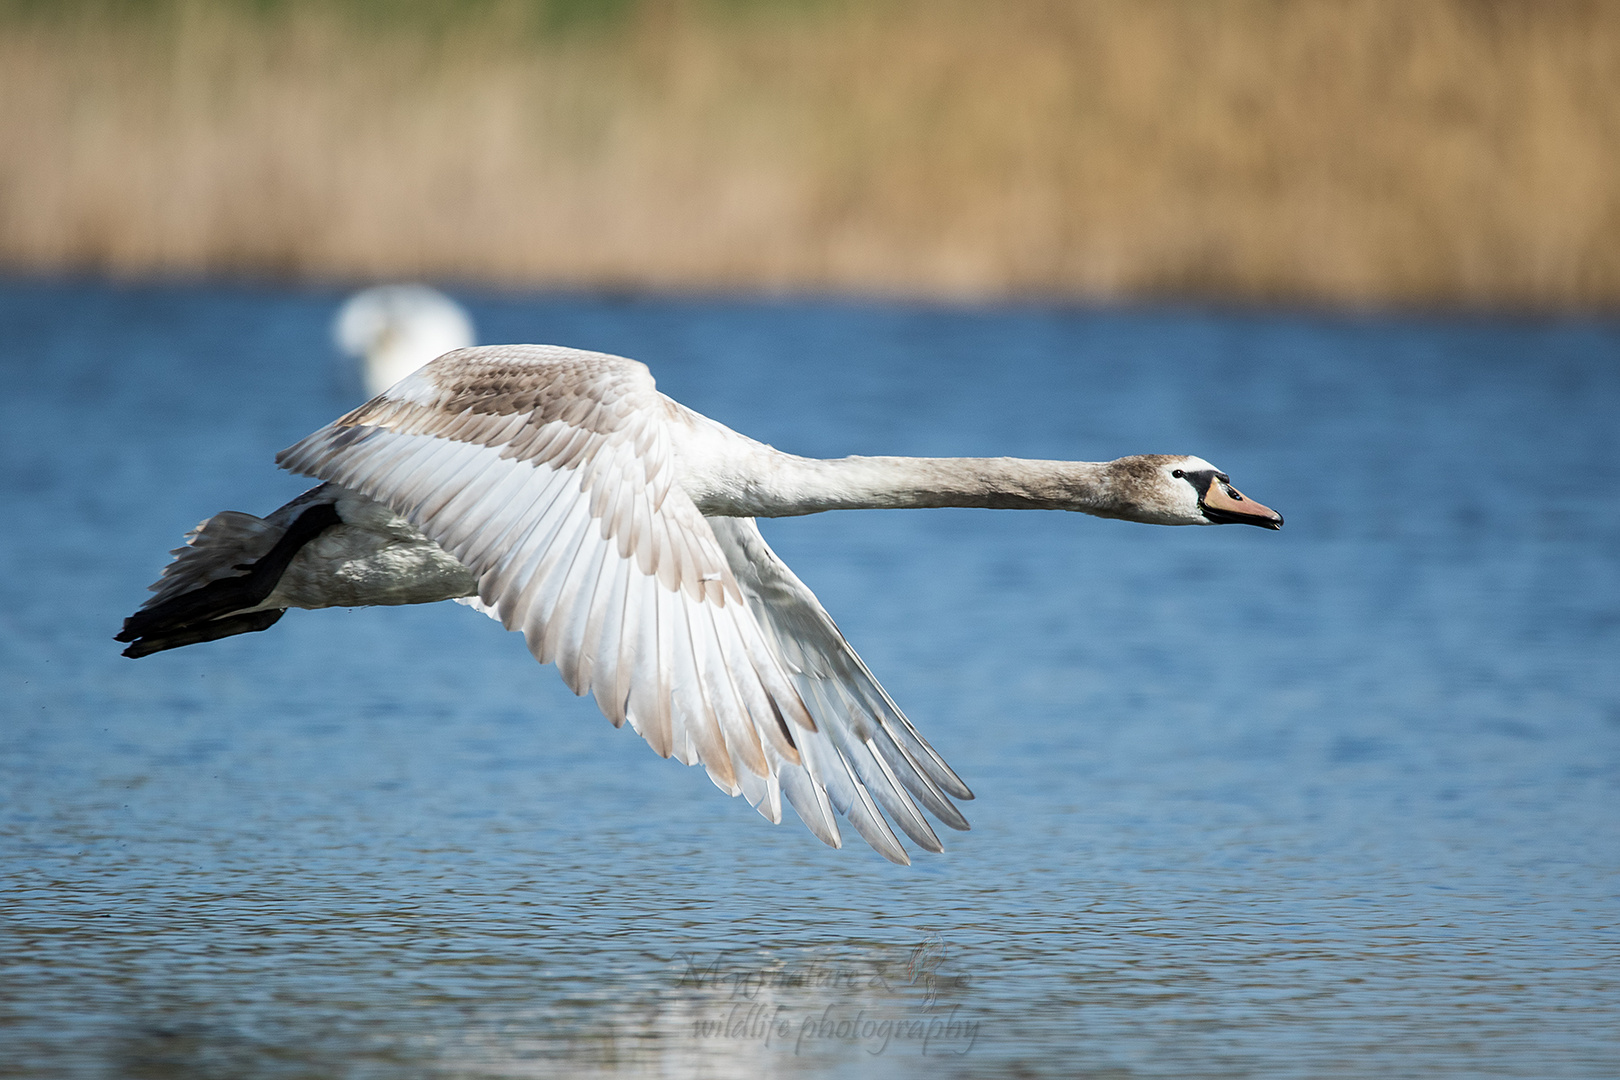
(394, 329)
(559, 492)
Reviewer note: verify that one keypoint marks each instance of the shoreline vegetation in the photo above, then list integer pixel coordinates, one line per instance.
(1361, 153)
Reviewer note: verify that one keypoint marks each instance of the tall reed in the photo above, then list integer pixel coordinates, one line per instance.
(1406, 152)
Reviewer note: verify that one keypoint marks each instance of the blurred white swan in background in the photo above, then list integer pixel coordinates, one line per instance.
(394, 329)
(559, 492)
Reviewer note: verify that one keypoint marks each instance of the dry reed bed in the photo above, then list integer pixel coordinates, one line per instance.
(1355, 151)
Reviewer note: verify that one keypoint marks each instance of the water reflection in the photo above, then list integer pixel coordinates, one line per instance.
(739, 1014)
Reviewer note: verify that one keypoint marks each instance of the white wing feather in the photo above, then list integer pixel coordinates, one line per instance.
(548, 472)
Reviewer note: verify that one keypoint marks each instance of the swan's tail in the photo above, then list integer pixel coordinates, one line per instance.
(228, 567)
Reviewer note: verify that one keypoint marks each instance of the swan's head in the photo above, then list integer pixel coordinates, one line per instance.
(395, 329)
(1173, 489)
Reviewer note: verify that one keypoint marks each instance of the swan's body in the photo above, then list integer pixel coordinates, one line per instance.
(560, 493)
(394, 329)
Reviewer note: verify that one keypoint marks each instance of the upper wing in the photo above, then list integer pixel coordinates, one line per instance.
(548, 472)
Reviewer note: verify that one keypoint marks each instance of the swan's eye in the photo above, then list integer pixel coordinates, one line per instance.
(1178, 474)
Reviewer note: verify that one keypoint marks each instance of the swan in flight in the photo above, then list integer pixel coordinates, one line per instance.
(560, 493)
(394, 329)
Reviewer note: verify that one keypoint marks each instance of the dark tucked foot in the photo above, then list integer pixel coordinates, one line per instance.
(212, 630)
(205, 614)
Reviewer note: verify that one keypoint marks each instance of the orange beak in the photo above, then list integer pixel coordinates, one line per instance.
(1226, 505)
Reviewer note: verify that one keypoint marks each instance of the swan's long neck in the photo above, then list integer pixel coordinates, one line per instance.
(795, 485)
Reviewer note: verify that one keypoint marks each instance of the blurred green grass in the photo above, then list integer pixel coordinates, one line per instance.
(1354, 152)
(539, 18)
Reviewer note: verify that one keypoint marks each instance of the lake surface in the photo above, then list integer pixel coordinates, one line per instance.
(1342, 800)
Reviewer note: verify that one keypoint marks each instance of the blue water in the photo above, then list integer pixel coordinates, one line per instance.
(1335, 801)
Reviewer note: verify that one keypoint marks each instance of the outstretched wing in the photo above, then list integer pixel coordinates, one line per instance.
(548, 472)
